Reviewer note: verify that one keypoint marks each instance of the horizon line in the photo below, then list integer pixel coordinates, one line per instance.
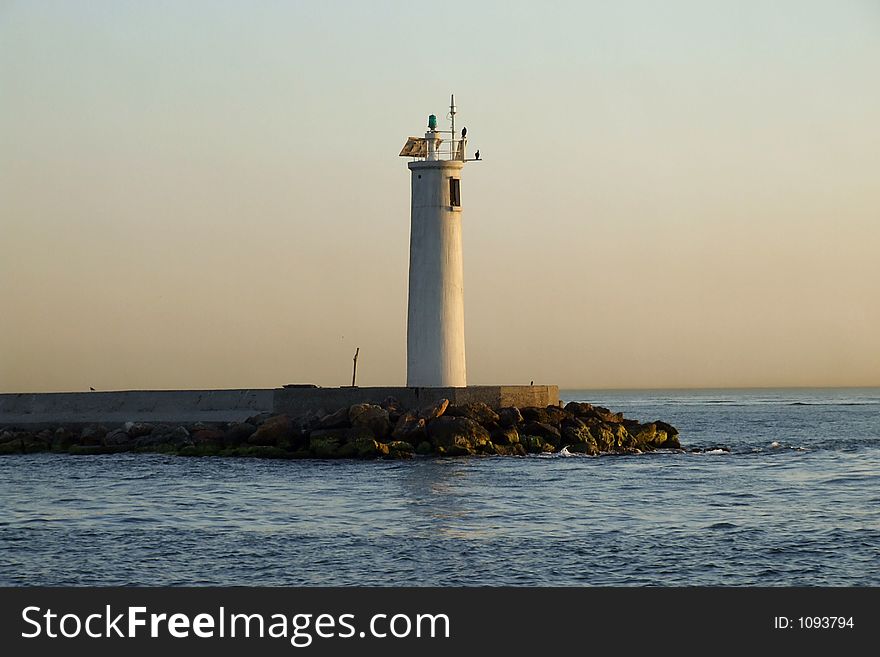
(561, 388)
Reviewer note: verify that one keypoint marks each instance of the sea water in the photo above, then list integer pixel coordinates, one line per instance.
(785, 490)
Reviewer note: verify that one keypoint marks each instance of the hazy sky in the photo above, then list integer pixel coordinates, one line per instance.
(208, 194)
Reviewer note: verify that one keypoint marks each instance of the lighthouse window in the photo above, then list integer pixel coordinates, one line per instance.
(455, 192)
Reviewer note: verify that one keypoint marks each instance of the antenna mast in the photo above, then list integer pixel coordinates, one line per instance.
(452, 117)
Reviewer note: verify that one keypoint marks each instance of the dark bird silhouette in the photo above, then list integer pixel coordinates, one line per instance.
(463, 133)
(477, 155)
(91, 388)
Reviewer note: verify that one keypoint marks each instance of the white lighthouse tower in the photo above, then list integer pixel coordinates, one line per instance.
(435, 315)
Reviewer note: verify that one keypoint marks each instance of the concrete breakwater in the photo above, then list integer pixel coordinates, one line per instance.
(364, 430)
(189, 406)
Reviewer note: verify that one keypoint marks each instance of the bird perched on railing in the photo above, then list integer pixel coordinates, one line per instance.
(477, 155)
(463, 133)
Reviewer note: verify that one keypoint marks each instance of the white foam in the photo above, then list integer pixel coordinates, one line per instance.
(562, 453)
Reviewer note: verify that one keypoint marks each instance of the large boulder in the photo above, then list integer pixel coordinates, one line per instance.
(369, 448)
(476, 411)
(581, 409)
(117, 437)
(664, 426)
(536, 444)
(198, 426)
(352, 434)
(179, 437)
(390, 404)
(535, 414)
(62, 439)
(325, 443)
(39, 442)
(575, 424)
(606, 441)
(654, 435)
(505, 436)
(585, 410)
(336, 420)
(259, 418)
(672, 441)
(623, 439)
(394, 409)
(607, 416)
(92, 435)
(548, 432)
(410, 427)
(433, 410)
(583, 448)
(208, 436)
(138, 429)
(10, 442)
(557, 415)
(457, 436)
(238, 433)
(510, 450)
(308, 421)
(400, 449)
(372, 417)
(575, 433)
(274, 431)
(545, 415)
(509, 416)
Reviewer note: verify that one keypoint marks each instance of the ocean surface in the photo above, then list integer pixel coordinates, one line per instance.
(795, 501)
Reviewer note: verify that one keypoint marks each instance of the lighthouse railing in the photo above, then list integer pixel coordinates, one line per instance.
(446, 149)
(452, 149)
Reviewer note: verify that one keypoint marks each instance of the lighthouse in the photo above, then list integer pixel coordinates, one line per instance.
(435, 354)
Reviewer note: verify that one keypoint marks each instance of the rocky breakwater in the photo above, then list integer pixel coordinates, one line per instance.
(367, 431)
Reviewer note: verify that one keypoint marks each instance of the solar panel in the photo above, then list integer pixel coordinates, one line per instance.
(414, 147)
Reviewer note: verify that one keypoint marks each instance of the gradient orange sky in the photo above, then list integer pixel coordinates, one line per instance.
(208, 194)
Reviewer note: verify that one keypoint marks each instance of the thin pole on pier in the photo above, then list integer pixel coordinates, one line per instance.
(354, 370)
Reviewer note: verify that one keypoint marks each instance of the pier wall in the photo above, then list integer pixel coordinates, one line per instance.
(170, 406)
(295, 401)
(134, 406)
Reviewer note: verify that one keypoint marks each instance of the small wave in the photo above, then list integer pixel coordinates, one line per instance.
(141, 476)
(135, 519)
(717, 451)
(722, 525)
(37, 521)
(835, 403)
(797, 448)
(562, 454)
